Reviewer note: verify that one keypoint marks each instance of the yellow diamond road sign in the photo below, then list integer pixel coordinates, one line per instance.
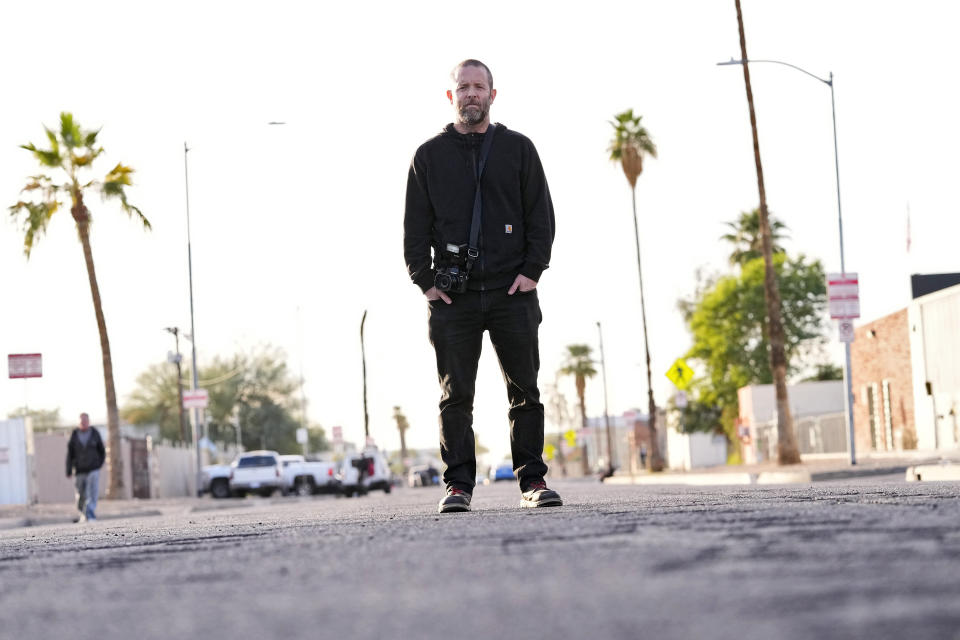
(680, 374)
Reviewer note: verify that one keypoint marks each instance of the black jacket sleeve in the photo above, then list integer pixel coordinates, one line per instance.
(418, 226)
(101, 452)
(539, 221)
(70, 455)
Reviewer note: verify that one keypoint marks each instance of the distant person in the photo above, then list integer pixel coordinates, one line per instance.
(85, 456)
(478, 229)
(643, 455)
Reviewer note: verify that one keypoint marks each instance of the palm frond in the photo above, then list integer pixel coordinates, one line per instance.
(113, 186)
(34, 224)
(46, 158)
(85, 159)
(70, 132)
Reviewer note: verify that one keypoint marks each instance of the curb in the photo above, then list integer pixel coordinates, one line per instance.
(782, 477)
(932, 473)
(19, 523)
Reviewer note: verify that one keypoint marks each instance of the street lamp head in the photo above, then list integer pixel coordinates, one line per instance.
(173, 330)
(729, 62)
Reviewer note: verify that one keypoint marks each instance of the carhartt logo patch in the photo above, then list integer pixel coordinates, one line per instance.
(508, 228)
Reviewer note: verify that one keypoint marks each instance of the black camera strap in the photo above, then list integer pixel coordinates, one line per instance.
(473, 249)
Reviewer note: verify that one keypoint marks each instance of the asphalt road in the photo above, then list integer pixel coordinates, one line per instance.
(859, 559)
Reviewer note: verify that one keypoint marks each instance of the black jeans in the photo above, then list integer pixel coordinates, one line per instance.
(456, 332)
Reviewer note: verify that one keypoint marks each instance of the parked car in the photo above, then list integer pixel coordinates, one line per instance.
(364, 471)
(423, 475)
(305, 478)
(215, 480)
(259, 471)
(503, 471)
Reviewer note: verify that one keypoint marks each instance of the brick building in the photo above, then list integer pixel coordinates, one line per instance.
(883, 391)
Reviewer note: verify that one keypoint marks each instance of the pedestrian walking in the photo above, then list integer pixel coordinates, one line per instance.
(478, 230)
(85, 456)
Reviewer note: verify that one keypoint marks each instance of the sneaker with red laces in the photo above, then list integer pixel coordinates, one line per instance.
(538, 495)
(455, 500)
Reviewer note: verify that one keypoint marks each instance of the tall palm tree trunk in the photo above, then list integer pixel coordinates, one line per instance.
(114, 461)
(656, 459)
(787, 452)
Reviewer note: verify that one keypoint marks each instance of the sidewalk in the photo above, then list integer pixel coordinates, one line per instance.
(914, 465)
(21, 515)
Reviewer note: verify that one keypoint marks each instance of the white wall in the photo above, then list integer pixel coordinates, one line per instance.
(687, 451)
(934, 322)
(16, 462)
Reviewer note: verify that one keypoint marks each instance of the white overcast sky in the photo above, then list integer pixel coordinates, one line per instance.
(309, 215)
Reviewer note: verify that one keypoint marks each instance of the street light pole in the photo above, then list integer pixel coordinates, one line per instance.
(193, 331)
(177, 359)
(606, 413)
(847, 374)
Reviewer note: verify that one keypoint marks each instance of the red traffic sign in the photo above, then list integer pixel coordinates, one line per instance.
(195, 399)
(843, 292)
(25, 365)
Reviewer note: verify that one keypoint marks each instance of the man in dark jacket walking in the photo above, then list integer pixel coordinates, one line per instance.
(85, 456)
(448, 180)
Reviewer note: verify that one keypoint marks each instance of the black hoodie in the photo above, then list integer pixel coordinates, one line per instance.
(517, 219)
(85, 458)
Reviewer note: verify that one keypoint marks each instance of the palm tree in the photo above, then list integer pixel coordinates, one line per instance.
(579, 364)
(402, 426)
(630, 143)
(787, 451)
(72, 152)
(747, 240)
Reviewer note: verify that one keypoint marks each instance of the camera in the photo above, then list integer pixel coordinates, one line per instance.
(453, 275)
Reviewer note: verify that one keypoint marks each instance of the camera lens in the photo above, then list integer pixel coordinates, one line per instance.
(443, 282)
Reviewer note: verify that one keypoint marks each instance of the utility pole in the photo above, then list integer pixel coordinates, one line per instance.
(176, 359)
(606, 413)
(193, 331)
(363, 355)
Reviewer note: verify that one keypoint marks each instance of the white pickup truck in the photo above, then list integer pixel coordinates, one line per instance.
(257, 471)
(307, 478)
(364, 471)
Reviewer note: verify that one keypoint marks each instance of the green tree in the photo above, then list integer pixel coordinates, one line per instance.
(255, 390)
(579, 364)
(726, 318)
(154, 400)
(630, 144)
(72, 153)
(825, 371)
(747, 240)
(40, 418)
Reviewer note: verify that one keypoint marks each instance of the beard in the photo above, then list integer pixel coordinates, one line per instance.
(471, 117)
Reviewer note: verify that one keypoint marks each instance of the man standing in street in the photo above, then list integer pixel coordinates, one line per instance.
(85, 456)
(477, 197)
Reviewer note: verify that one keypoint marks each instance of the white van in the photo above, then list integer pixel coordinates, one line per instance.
(371, 465)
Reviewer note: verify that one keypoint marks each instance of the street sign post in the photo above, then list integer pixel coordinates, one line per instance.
(845, 328)
(680, 374)
(843, 293)
(25, 365)
(195, 399)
